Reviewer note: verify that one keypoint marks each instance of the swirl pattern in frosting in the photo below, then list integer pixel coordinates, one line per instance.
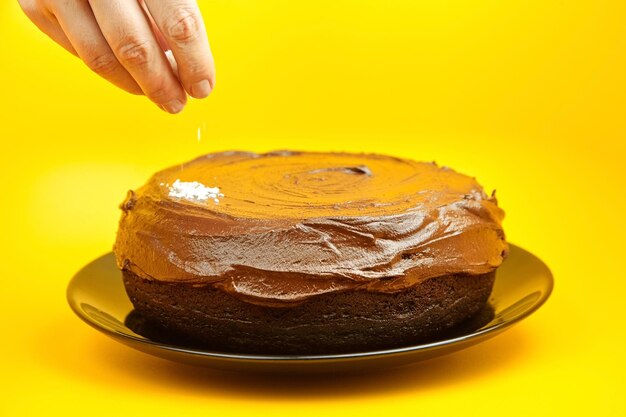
(292, 225)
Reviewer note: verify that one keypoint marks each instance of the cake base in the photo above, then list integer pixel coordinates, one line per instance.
(341, 322)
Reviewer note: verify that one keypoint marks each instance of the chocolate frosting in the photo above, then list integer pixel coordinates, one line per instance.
(293, 225)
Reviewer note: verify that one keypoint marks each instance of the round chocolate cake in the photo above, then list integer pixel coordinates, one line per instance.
(308, 253)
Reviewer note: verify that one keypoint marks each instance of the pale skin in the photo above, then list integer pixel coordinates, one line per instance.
(124, 41)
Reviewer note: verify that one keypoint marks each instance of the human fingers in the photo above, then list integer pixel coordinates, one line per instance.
(46, 22)
(79, 24)
(181, 24)
(128, 33)
(155, 29)
(161, 39)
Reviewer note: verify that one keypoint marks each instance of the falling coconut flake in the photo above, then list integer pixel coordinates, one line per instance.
(201, 130)
(194, 191)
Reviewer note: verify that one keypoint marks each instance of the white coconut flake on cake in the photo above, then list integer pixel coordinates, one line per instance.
(194, 191)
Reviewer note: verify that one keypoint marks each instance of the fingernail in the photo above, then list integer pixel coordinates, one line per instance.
(201, 89)
(174, 106)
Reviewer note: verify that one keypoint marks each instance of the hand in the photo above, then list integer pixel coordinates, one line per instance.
(125, 42)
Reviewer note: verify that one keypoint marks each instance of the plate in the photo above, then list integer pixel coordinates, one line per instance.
(97, 295)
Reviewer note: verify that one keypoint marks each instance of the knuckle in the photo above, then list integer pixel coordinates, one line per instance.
(135, 52)
(182, 26)
(104, 64)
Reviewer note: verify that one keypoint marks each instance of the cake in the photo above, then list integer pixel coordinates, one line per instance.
(308, 253)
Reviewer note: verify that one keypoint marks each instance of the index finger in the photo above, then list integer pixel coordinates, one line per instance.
(182, 26)
(128, 32)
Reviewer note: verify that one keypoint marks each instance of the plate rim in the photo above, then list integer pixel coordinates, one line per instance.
(138, 339)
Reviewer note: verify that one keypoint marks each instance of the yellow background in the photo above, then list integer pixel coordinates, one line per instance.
(528, 96)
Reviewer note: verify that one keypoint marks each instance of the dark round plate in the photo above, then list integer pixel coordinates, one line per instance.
(97, 295)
